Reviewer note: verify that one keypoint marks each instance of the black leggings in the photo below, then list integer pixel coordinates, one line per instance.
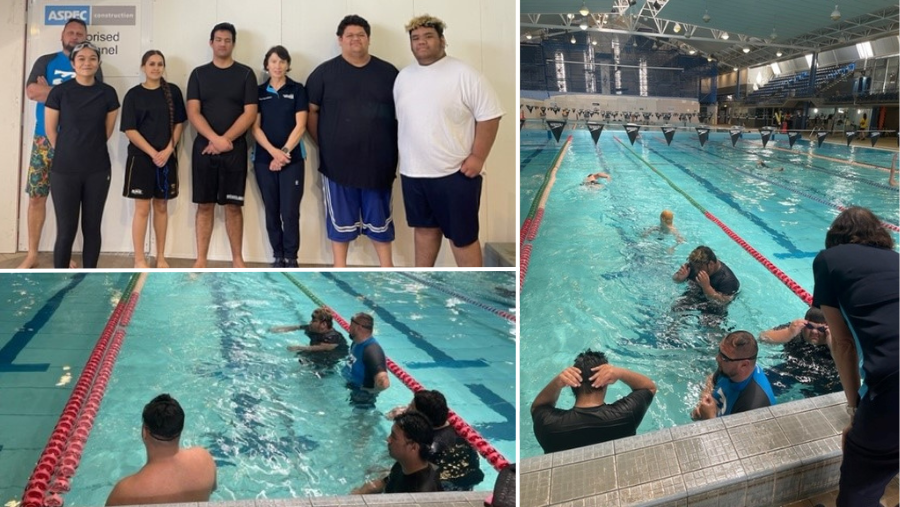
(75, 194)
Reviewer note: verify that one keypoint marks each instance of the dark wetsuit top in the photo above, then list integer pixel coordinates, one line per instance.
(723, 281)
(423, 481)
(326, 358)
(806, 364)
(735, 397)
(457, 462)
(560, 430)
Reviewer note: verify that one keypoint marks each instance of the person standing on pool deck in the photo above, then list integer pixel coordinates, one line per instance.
(856, 287)
(353, 120)
(222, 104)
(171, 474)
(366, 369)
(153, 117)
(738, 384)
(49, 70)
(591, 420)
(79, 117)
(448, 115)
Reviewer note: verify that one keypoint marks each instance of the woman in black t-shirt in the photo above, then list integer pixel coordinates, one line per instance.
(278, 159)
(79, 118)
(153, 117)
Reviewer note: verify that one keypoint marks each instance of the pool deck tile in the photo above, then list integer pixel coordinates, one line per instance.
(334, 501)
(647, 464)
(702, 481)
(837, 417)
(610, 499)
(542, 462)
(748, 417)
(668, 491)
(583, 454)
(818, 451)
(794, 407)
(765, 464)
(828, 400)
(584, 479)
(534, 488)
(697, 428)
(760, 437)
(805, 426)
(704, 451)
(645, 440)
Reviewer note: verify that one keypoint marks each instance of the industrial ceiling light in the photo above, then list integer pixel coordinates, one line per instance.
(735, 69)
(706, 17)
(634, 43)
(724, 36)
(584, 11)
(676, 28)
(778, 53)
(835, 14)
(709, 58)
(572, 40)
(583, 25)
(692, 51)
(746, 49)
(528, 36)
(654, 45)
(594, 42)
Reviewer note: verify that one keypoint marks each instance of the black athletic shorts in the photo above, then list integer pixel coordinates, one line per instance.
(450, 203)
(219, 179)
(145, 180)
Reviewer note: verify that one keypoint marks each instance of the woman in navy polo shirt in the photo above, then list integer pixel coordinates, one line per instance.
(279, 155)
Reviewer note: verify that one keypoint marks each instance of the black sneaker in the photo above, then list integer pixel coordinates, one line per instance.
(291, 263)
(279, 263)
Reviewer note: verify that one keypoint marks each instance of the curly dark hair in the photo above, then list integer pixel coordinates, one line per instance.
(417, 428)
(858, 225)
(585, 362)
(433, 405)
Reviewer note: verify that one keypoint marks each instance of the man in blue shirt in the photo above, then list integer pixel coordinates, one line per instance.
(49, 70)
(738, 384)
(366, 370)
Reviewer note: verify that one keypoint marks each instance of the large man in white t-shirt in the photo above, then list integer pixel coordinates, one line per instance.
(448, 116)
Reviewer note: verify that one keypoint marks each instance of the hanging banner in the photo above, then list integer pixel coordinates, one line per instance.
(530, 108)
(792, 138)
(850, 135)
(632, 130)
(703, 133)
(765, 134)
(735, 134)
(596, 129)
(820, 136)
(873, 136)
(669, 133)
(556, 127)
(521, 123)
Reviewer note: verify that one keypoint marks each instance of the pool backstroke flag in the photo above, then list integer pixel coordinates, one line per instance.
(820, 137)
(556, 126)
(669, 133)
(792, 138)
(873, 137)
(735, 134)
(596, 129)
(703, 134)
(850, 135)
(765, 133)
(521, 123)
(632, 130)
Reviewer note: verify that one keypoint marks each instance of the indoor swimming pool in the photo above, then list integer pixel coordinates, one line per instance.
(596, 277)
(276, 427)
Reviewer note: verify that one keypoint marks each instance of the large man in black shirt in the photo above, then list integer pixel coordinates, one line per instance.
(705, 271)
(591, 420)
(222, 103)
(327, 346)
(352, 119)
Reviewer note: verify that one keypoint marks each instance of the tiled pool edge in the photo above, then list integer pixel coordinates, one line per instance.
(769, 456)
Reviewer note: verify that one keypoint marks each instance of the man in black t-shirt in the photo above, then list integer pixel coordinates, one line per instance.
(409, 443)
(222, 104)
(326, 346)
(591, 420)
(715, 281)
(352, 119)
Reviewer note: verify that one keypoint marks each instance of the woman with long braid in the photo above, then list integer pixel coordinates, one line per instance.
(153, 117)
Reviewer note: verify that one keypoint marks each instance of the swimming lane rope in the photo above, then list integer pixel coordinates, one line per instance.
(506, 315)
(785, 279)
(462, 428)
(536, 213)
(62, 454)
(794, 189)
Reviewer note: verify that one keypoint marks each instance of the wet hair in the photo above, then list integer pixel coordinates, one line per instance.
(365, 320)
(167, 92)
(224, 27)
(163, 418)
(353, 20)
(858, 225)
(281, 52)
(322, 314)
(417, 428)
(743, 343)
(426, 21)
(702, 254)
(76, 20)
(815, 315)
(432, 405)
(585, 362)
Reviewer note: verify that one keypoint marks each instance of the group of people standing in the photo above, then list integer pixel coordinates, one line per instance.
(437, 119)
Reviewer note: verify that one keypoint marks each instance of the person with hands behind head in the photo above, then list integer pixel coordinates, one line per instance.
(591, 420)
(711, 275)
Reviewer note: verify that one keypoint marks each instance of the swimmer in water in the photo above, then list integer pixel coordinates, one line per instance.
(591, 179)
(666, 226)
(761, 164)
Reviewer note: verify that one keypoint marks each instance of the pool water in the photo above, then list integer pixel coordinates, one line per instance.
(48, 327)
(281, 429)
(596, 280)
